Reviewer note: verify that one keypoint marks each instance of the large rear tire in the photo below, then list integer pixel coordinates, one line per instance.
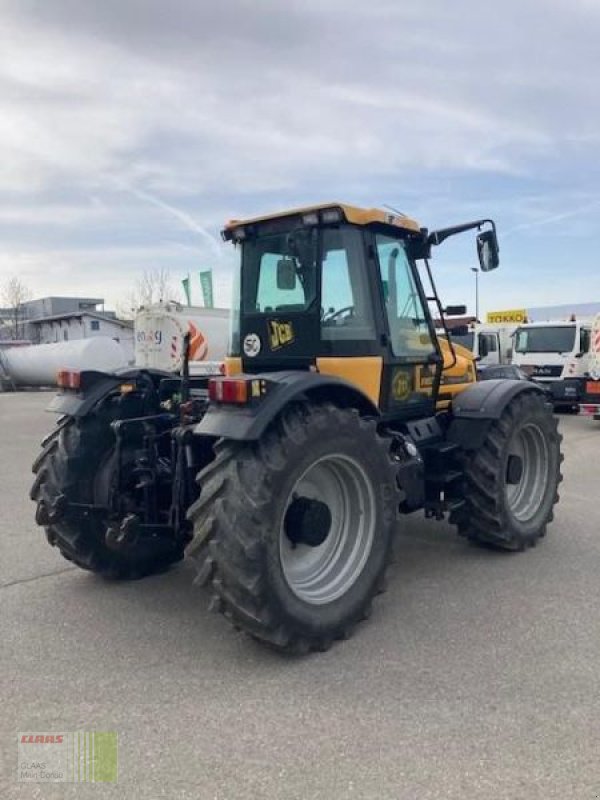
(294, 531)
(77, 464)
(511, 481)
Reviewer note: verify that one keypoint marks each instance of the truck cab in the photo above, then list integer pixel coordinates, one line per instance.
(589, 401)
(490, 344)
(555, 354)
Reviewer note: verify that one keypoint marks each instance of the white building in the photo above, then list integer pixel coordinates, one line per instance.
(564, 312)
(82, 325)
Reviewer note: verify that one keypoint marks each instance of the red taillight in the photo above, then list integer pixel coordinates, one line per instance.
(68, 379)
(228, 390)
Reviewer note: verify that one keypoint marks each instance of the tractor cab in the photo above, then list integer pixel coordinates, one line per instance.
(336, 290)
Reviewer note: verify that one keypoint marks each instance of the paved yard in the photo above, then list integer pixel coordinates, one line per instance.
(477, 676)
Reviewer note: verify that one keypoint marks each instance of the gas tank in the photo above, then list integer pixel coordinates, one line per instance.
(159, 336)
(38, 364)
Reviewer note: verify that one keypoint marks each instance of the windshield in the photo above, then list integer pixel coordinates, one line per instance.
(465, 340)
(546, 339)
(279, 272)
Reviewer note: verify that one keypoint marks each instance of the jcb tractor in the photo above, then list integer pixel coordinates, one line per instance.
(338, 413)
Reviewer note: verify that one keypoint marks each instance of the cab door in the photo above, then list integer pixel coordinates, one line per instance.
(350, 340)
(413, 358)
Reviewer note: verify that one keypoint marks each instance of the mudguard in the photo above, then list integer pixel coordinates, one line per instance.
(504, 371)
(248, 423)
(474, 410)
(95, 387)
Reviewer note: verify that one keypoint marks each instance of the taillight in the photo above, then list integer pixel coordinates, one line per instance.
(228, 390)
(68, 379)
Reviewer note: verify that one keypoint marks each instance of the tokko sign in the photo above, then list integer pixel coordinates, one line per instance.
(517, 315)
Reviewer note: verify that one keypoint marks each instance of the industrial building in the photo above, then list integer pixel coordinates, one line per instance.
(61, 319)
(564, 311)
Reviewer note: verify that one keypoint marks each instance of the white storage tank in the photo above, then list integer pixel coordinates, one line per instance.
(38, 364)
(159, 332)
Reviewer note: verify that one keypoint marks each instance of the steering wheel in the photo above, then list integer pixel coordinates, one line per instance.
(347, 309)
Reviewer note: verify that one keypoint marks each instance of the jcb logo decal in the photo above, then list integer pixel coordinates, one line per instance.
(280, 334)
(401, 385)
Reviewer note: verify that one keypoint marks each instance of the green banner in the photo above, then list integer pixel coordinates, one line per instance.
(207, 288)
(186, 288)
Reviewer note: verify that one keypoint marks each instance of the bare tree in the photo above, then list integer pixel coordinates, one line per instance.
(153, 286)
(14, 294)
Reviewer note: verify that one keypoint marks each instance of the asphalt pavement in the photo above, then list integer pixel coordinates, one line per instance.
(477, 675)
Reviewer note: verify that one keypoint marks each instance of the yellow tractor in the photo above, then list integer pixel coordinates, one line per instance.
(340, 411)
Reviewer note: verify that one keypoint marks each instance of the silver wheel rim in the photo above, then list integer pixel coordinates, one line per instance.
(320, 575)
(526, 495)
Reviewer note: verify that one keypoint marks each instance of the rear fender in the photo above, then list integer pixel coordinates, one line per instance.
(96, 387)
(248, 423)
(475, 409)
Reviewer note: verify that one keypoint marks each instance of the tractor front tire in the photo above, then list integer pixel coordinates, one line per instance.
(511, 481)
(76, 466)
(293, 532)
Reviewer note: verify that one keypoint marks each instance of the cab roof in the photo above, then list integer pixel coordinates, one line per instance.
(352, 214)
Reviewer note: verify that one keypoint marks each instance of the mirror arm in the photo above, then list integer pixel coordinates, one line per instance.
(437, 237)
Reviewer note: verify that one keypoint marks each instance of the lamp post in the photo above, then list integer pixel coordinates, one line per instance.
(476, 271)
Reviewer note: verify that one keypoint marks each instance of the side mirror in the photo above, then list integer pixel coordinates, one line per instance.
(487, 250)
(455, 311)
(286, 274)
(483, 347)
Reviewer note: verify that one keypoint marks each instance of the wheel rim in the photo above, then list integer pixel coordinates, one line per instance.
(320, 574)
(525, 496)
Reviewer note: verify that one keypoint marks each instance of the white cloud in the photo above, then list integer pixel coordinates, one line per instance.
(206, 111)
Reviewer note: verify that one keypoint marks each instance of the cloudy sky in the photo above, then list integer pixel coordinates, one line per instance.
(130, 130)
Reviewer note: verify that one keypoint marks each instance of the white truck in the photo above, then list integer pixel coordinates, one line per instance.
(590, 394)
(159, 332)
(556, 354)
(490, 344)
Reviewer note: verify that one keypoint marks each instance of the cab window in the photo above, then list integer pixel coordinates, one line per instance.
(346, 308)
(409, 331)
(279, 273)
(585, 341)
(490, 341)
